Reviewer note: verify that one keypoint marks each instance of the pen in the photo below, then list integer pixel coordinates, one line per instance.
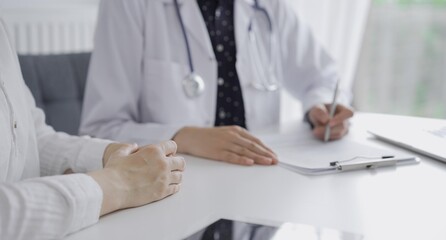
(332, 112)
(363, 157)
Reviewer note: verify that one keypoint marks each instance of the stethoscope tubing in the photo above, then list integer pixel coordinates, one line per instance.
(265, 86)
(186, 38)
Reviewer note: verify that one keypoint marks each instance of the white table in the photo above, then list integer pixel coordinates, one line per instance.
(407, 202)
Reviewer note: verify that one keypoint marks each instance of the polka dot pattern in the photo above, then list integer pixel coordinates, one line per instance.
(219, 18)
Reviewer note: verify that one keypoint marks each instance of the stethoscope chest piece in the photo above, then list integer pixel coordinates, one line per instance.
(193, 85)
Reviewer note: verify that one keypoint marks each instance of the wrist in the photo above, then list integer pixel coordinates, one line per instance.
(113, 190)
(182, 138)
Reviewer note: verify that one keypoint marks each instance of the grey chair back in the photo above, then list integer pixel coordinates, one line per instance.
(58, 83)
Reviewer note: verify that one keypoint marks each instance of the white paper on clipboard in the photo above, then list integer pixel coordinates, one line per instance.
(311, 156)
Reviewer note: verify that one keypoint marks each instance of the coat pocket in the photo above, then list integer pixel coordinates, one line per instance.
(163, 96)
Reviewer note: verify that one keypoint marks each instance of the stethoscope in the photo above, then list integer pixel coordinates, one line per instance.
(193, 84)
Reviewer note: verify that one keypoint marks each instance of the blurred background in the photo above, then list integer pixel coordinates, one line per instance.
(402, 68)
(392, 53)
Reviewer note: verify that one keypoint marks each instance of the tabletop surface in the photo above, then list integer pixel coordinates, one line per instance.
(404, 202)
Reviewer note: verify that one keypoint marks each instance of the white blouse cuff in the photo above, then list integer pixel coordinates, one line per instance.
(91, 155)
(88, 201)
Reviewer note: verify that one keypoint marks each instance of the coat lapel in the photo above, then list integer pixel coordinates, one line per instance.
(195, 25)
(243, 14)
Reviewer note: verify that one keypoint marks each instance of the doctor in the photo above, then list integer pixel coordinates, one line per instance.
(201, 71)
(110, 176)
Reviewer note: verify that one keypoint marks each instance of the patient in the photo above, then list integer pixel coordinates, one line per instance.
(110, 176)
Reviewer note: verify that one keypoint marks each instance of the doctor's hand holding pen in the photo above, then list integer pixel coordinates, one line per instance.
(231, 144)
(336, 122)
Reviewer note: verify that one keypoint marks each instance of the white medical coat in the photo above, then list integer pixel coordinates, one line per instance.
(134, 90)
(34, 207)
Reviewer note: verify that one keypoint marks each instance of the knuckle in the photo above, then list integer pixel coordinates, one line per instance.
(163, 180)
(158, 149)
(244, 152)
(162, 165)
(153, 149)
(318, 111)
(236, 128)
(232, 134)
(237, 149)
(160, 192)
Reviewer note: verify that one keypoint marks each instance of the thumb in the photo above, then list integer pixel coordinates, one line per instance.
(125, 150)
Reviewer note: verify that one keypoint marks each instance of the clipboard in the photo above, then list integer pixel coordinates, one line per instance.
(313, 157)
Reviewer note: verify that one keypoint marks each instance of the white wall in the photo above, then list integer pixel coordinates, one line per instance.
(50, 26)
(339, 25)
(42, 3)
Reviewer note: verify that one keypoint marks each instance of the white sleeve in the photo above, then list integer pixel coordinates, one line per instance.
(59, 151)
(49, 207)
(113, 89)
(310, 73)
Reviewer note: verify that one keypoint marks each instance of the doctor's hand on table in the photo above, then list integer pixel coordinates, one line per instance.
(134, 176)
(319, 116)
(231, 144)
